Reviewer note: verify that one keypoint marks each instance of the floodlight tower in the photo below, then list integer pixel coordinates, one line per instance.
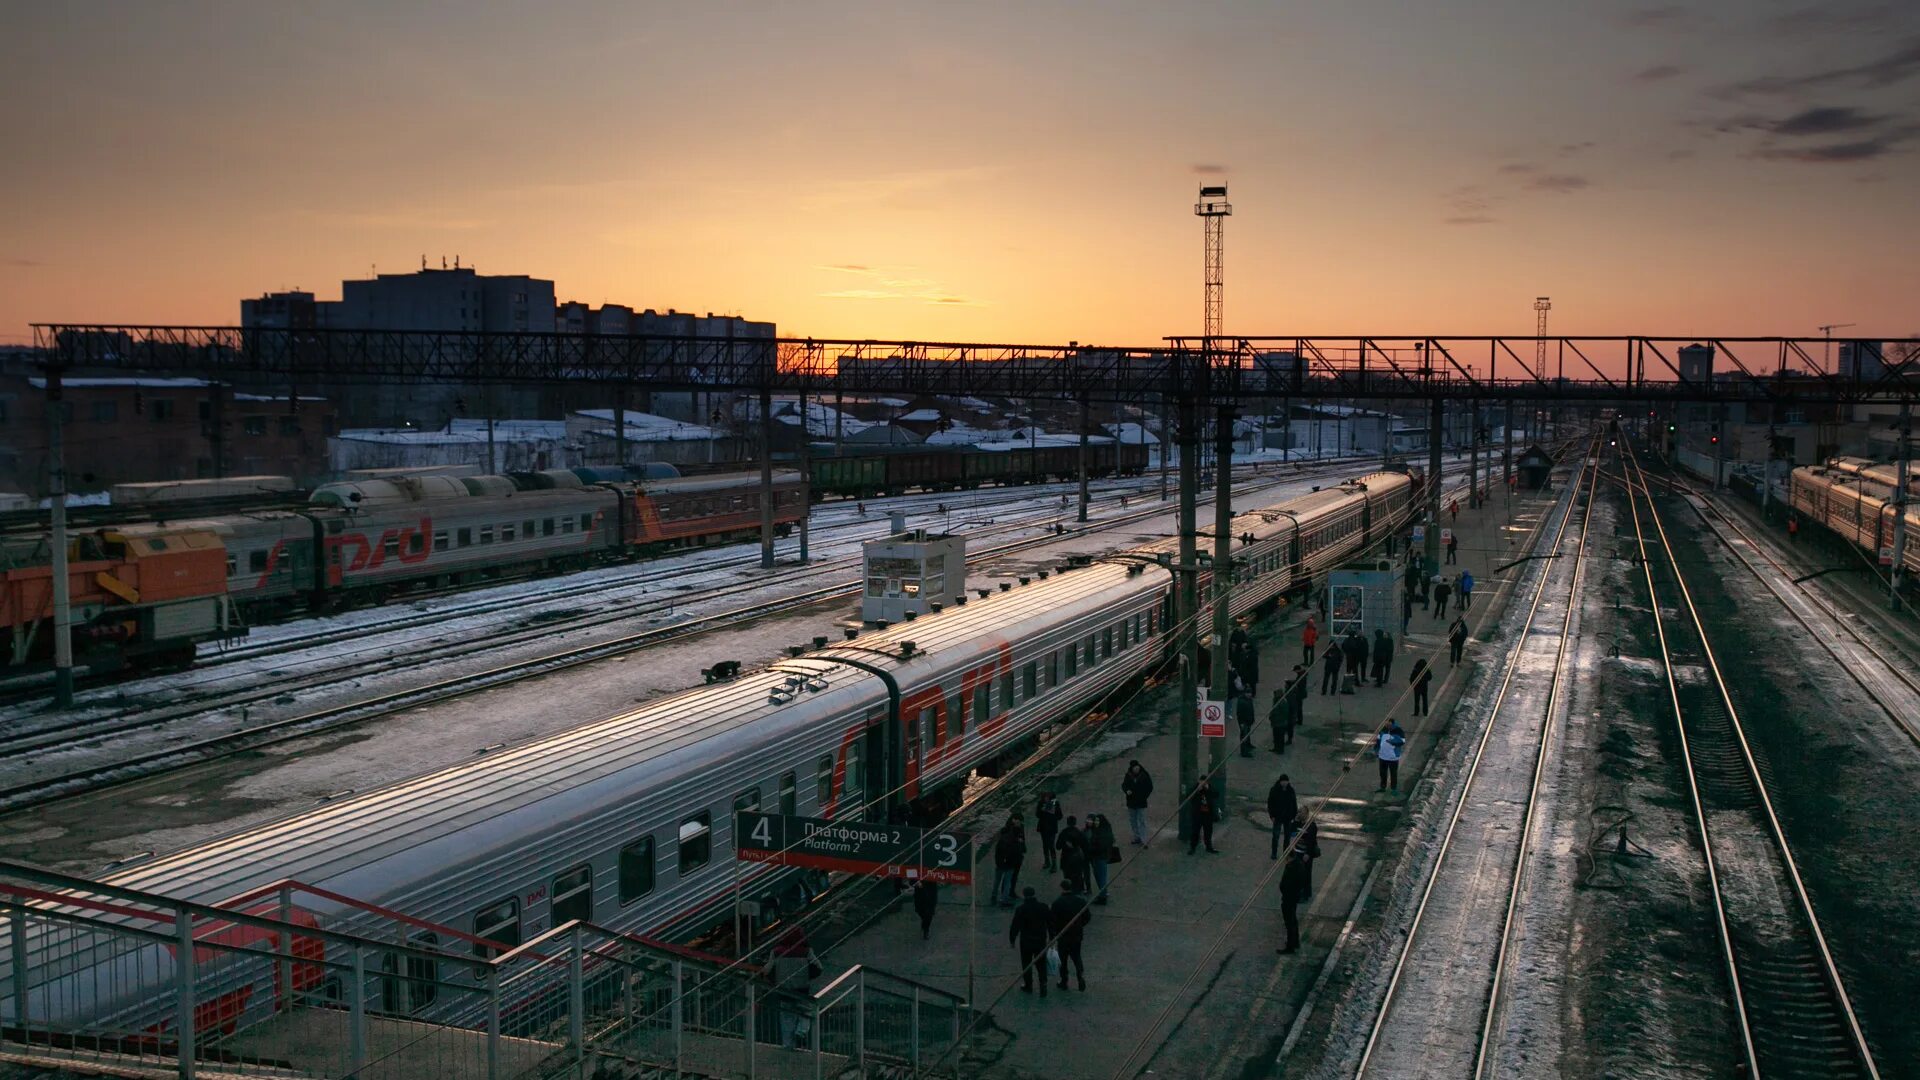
(1213, 209)
(1541, 305)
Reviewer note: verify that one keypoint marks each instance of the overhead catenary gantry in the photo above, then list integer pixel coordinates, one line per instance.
(1637, 368)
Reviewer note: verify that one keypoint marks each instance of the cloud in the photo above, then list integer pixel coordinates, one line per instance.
(1662, 16)
(1517, 168)
(1888, 70)
(25, 264)
(1569, 149)
(1471, 219)
(1826, 120)
(847, 268)
(1828, 19)
(1563, 183)
(1208, 170)
(889, 283)
(405, 221)
(862, 294)
(1836, 153)
(1658, 72)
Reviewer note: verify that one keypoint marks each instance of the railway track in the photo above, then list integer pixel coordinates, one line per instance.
(43, 790)
(1790, 1004)
(1440, 1013)
(1884, 678)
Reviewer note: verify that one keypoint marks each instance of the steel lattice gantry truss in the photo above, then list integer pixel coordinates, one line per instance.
(1222, 372)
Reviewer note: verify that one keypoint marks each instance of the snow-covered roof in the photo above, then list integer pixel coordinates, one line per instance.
(519, 429)
(647, 427)
(1132, 433)
(922, 415)
(464, 433)
(123, 380)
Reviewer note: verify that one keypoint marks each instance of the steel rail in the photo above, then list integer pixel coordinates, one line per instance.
(1743, 1003)
(1389, 999)
(1888, 664)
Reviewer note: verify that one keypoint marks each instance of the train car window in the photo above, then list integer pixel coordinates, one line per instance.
(856, 771)
(391, 546)
(1072, 653)
(573, 896)
(486, 534)
(257, 562)
(789, 794)
(913, 736)
(1106, 643)
(1030, 680)
(586, 522)
(527, 530)
(566, 525)
(440, 540)
(982, 701)
(500, 923)
(506, 534)
(956, 716)
(636, 870)
(416, 543)
(465, 537)
(1053, 669)
(546, 527)
(696, 842)
(233, 565)
(420, 986)
(747, 800)
(1006, 692)
(930, 723)
(824, 774)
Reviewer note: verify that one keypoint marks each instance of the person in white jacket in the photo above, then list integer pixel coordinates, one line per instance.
(1388, 746)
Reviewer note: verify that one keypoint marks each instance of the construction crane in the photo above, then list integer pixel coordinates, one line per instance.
(1826, 355)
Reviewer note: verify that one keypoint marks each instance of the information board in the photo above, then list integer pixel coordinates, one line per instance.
(1213, 717)
(854, 847)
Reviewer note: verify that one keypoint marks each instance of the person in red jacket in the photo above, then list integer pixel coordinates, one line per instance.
(1793, 528)
(1309, 636)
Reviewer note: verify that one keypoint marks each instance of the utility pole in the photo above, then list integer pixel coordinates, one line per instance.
(806, 474)
(217, 427)
(1186, 611)
(1541, 305)
(1901, 472)
(1473, 453)
(1086, 419)
(620, 424)
(766, 471)
(1506, 453)
(1221, 675)
(57, 497)
(1435, 428)
(1166, 443)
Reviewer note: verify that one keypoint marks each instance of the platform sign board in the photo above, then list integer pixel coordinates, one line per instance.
(1362, 601)
(1419, 534)
(1886, 556)
(1446, 536)
(854, 847)
(1213, 717)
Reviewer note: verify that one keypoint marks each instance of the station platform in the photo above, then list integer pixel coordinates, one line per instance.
(1183, 974)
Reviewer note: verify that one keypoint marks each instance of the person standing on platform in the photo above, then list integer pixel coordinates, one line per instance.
(1137, 786)
(1243, 714)
(1382, 657)
(1453, 509)
(1355, 648)
(1388, 746)
(1793, 528)
(1009, 851)
(1102, 852)
(1457, 637)
(1028, 932)
(1453, 548)
(1046, 822)
(1421, 677)
(1280, 713)
(1441, 590)
(1202, 819)
(1406, 609)
(1309, 636)
(1309, 846)
(1466, 589)
(1247, 663)
(1297, 692)
(1283, 804)
(926, 901)
(1330, 671)
(1068, 920)
(1293, 885)
(1074, 862)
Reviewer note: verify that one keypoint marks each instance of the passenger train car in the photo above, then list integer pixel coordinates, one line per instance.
(1854, 498)
(626, 822)
(362, 542)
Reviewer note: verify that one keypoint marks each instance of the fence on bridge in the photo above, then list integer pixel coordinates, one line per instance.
(293, 981)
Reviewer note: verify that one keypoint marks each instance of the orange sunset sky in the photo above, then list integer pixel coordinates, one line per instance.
(980, 171)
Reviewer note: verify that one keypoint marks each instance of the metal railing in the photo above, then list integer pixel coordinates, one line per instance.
(262, 986)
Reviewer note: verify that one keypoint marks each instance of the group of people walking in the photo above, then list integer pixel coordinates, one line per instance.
(1082, 853)
(1355, 657)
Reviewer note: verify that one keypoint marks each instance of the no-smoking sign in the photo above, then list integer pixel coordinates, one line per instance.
(1213, 719)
